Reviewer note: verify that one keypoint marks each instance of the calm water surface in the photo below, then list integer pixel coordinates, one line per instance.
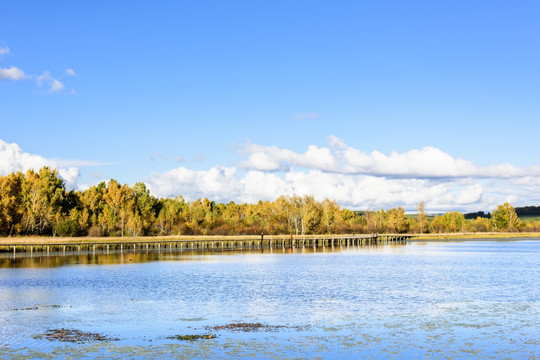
(420, 300)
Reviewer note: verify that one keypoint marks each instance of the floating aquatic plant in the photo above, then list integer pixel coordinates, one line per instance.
(192, 337)
(73, 335)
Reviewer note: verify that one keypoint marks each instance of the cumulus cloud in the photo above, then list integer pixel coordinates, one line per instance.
(356, 179)
(4, 50)
(13, 159)
(70, 72)
(272, 158)
(353, 191)
(13, 73)
(47, 79)
(70, 176)
(353, 178)
(428, 162)
(218, 183)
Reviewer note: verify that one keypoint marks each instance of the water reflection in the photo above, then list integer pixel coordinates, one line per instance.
(474, 299)
(107, 257)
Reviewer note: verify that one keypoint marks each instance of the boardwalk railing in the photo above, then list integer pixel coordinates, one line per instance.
(205, 243)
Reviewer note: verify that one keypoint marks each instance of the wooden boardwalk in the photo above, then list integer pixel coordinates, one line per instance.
(201, 244)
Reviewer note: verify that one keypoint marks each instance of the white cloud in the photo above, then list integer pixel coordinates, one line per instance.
(356, 179)
(428, 162)
(272, 158)
(218, 183)
(336, 142)
(13, 73)
(352, 191)
(13, 159)
(70, 176)
(54, 84)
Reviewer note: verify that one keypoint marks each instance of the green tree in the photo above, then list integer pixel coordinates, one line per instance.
(144, 212)
(481, 224)
(453, 221)
(504, 218)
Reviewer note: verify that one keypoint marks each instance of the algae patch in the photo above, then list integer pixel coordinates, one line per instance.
(192, 337)
(73, 335)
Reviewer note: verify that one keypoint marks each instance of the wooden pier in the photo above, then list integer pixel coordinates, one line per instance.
(224, 243)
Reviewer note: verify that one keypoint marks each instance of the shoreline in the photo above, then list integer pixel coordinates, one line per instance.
(474, 236)
(4, 241)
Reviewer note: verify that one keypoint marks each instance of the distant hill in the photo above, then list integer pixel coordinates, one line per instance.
(474, 215)
(525, 211)
(528, 211)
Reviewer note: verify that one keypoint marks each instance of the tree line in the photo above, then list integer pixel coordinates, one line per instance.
(37, 203)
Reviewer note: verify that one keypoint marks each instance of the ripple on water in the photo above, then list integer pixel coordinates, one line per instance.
(413, 302)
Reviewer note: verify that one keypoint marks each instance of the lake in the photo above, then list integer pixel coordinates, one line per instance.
(476, 299)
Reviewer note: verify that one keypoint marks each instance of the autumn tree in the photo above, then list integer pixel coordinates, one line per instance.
(504, 218)
(11, 205)
(481, 224)
(171, 215)
(396, 220)
(421, 218)
(142, 213)
(453, 221)
(42, 195)
(36, 202)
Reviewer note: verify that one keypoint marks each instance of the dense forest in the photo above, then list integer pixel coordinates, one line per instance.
(37, 203)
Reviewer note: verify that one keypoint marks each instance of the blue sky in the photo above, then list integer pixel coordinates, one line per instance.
(225, 99)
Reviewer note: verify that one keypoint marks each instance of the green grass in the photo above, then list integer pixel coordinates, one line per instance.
(469, 236)
(529, 218)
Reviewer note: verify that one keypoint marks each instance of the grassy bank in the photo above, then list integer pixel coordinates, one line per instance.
(127, 239)
(23, 240)
(472, 236)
